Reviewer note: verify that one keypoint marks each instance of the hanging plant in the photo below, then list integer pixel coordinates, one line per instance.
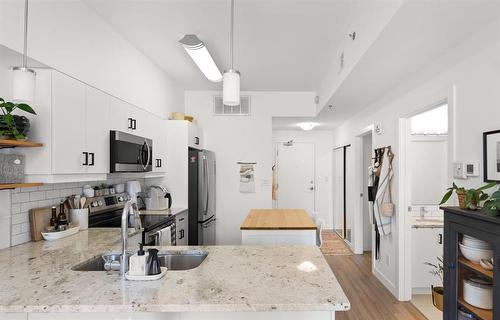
(14, 126)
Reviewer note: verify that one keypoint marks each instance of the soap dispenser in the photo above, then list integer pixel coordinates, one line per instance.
(153, 263)
(138, 263)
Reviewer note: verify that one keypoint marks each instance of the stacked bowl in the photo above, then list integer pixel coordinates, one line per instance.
(474, 249)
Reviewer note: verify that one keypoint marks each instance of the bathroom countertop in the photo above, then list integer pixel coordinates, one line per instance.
(427, 222)
(37, 277)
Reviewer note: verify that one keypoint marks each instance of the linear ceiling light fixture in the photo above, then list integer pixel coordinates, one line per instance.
(231, 78)
(23, 78)
(200, 55)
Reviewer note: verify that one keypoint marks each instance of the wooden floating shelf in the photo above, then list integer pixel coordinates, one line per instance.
(5, 186)
(475, 267)
(483, 314)
(5, 143)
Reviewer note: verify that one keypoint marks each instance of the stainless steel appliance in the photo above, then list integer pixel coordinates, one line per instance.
(106, 211)
(158, 198)
(130, 153)
(201, 197)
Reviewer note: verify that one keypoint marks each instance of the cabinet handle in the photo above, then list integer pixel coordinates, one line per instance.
(158, 163)
(134, 124)
(180, 234)
(440, 238)
(196, 140)
(130, 123)
(181, 219)
(86, 161)
(92, 155)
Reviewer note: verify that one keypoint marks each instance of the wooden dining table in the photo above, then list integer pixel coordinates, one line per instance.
(278, 227)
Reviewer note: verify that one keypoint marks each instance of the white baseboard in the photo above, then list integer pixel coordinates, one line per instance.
(386, 282)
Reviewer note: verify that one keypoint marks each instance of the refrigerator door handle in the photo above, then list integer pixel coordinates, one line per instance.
(207, 185)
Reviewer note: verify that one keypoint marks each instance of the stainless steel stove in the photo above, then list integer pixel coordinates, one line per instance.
(106, 212)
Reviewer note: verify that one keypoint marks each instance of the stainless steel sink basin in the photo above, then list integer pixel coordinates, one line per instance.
(173, 260)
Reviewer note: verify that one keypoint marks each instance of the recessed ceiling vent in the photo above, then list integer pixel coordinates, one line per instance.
(243, 109)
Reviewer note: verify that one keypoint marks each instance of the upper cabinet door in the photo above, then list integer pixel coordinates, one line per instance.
(68, 125)
(160, 145)
(125, 117)
(97, 129)
(195, 136)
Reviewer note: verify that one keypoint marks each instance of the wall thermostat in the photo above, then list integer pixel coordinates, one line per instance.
(472, 169)
(463, 170)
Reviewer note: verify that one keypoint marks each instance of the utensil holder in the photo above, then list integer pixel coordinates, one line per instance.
(80, 217)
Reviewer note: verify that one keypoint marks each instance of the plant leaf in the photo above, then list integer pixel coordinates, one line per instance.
(487, 186)
(9, 106)
(446, 196)
(26, 108)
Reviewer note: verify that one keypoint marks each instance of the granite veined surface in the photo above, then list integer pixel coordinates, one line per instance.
(37, 277)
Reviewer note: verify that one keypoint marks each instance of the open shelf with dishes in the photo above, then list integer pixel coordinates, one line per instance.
(471, 258)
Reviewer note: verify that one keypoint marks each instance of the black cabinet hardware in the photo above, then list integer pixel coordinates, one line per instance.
(86, 161)
(158, 163)
(92, 156)
(130, 123)
(196, 140)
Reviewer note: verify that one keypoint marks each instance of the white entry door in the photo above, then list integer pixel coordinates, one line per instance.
(296, 185)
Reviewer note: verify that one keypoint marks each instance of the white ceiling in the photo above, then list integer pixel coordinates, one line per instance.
(280, 45)
(418, 34)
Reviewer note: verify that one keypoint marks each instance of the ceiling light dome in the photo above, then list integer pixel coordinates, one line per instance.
(307, 126)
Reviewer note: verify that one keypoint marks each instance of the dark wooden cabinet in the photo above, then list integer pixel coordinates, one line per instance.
(457, 223)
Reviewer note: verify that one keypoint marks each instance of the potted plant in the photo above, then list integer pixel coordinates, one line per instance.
(14, 126)
(437, 292)
(492, 205)
(468, 198)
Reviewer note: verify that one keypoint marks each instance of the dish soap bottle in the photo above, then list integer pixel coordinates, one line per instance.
(137, 263)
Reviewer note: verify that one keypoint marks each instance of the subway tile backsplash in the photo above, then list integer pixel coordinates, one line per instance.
(24, 199)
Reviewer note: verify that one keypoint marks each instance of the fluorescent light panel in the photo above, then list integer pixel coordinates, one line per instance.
(200, 55)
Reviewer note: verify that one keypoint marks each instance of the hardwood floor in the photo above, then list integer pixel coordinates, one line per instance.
(369, 298)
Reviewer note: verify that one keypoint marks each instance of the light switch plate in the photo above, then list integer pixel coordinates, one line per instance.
(459, 171)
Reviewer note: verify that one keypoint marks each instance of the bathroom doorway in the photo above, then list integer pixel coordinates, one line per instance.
(426, 176)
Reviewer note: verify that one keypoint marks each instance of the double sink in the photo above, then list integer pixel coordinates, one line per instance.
(175, 260)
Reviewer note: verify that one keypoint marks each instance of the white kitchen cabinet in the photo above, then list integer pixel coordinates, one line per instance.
(68, 125)
(427, 245)
(195, 136)
(160, 145)
(97, 130)
(73, 121)
(181, 227)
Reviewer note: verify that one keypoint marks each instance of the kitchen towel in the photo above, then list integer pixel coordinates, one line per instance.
(386, 173)
(247, 178)
(164, 237)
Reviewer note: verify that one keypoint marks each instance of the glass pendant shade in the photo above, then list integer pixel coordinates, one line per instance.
(23, 85)
(231, 88)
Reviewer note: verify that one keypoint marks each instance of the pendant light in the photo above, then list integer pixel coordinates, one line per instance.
(23, 78)
(231, 78)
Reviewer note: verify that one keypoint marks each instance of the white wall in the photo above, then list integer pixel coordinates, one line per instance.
(70, 37)
(323, 166)
(243, 138)
(468, 77)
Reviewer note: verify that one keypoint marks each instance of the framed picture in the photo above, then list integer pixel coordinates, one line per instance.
(491, 156)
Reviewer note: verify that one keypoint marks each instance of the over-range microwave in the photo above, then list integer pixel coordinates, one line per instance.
(130, 153)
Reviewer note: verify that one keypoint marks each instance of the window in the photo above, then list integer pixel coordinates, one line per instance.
(432, 122)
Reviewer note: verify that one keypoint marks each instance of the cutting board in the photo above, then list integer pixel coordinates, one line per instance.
(39, 220)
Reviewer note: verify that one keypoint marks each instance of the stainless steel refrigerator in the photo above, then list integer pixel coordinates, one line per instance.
(201, 198)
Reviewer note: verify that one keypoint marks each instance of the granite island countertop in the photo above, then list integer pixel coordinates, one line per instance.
(37, 277)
